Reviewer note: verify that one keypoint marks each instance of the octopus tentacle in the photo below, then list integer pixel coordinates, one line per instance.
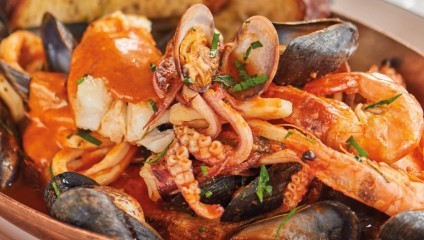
(180, 167)
(201, 146)
(245, 145)
(296, 189)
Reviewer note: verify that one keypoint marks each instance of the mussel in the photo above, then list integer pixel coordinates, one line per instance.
(217, 190)
(58, 44)
(80, 201)
(313, 48)
(245, 203)
(10, 153)
(321, 220)
(407, 225)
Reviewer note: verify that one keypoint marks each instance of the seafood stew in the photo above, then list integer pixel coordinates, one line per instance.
(214, 138)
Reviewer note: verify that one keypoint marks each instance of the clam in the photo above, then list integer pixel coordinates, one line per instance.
(80, 201)
(245, 203)
(58, 44)
(192, 48)
(313, 48)
(321, 220)
(407, 225)
(255, 48)
(10, 152)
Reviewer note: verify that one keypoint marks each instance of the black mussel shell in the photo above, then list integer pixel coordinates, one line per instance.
(10, 151)
(245, 203)
(217, 190)
(323, 220)
(58, 44)
(64, 182)
(92, 209)
(407, 225)
(313, 49)
(19, 80)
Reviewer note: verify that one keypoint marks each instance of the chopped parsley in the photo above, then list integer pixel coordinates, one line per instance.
(227, 80)
(208, 194)
(202, 229)
(377, 170)
(262, 184)
(82, 79)
(159, 156)
(187, 80)
(285, 219)
(153, 105)
(204, 170)
(288, 134)
(87, 137)
(248, 81)
(351, 142)
(253, 45)
(383, 102)
(152, 67)
(55, 188)
(214, 45)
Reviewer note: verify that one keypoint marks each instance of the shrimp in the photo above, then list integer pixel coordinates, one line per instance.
(375, 184)
(387, 132)
(23, 50)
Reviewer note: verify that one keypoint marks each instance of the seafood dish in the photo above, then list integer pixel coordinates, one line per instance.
(266, 135)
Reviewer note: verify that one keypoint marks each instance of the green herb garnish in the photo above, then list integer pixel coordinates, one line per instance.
(288, 134)
(253, 45)
(204, 170)
(383, 102)
(55, 188)
(285, 219)
(241, 68)
(378, 170)
(160, 155)
(152, 67)
(351, 142)
(208, 194)
(153, 105)
(87, 137)
(249, 83)
(187, 80)
(256, 44)
(214, 45)
(202, 229)
(81, 80)
(262, 184)
(227, 80)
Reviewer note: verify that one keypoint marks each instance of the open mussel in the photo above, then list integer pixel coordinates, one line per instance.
(321, 220)
(407, 225)
(245, 203)
(80, 201)
(313, 48)
(58, 44)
